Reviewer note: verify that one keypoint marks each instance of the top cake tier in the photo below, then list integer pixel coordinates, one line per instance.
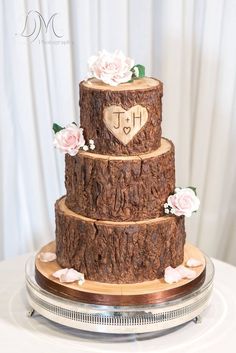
(122, 120)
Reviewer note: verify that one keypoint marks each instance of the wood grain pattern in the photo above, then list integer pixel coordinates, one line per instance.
(142, 83)
(148, 292)
(95, 97)
(120, 188)
(118, 252)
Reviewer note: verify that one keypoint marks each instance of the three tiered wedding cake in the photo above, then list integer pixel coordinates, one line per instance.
(111, 225)
(122, 219)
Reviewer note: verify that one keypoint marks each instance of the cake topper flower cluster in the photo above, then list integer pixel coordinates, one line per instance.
(114, 68)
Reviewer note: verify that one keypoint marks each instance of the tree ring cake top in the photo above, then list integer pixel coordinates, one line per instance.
(142, 83)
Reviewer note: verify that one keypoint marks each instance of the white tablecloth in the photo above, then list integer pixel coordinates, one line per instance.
(19, 333)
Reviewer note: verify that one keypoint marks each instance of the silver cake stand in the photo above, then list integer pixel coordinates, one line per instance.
(119, 319)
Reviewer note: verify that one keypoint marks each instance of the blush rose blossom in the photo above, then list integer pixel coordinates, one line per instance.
(184, 202)
(70, 139)
(111, 68)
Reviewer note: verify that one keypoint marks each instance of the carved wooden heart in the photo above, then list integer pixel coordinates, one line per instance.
(125, 124)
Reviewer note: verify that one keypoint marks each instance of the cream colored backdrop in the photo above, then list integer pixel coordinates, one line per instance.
(190, 45)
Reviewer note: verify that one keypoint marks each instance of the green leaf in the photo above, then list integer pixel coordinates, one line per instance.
(193, 188)
(56, 128)
(141, 71)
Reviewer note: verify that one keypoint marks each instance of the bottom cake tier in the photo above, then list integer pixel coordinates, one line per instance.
(98, 293)
(118, 252)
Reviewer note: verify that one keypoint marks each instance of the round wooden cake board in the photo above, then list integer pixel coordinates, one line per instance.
(91, 292)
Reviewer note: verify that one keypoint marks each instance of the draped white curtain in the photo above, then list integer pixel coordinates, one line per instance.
(188, 44)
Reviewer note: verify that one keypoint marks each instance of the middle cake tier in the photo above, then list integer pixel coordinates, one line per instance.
(120, 188)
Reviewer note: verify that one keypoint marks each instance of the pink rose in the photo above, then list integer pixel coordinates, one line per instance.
(70, 139)
(184, 202)
(111, 68)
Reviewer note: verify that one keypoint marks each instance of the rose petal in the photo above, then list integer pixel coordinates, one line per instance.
(193, 262)
(59, 273)
(171, 275)
(47, 256)
(69, 275)
(186, 272)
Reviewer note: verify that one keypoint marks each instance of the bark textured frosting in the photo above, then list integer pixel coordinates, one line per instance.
(95, 97)
(120, 189)
(118, 252)
(111, 226)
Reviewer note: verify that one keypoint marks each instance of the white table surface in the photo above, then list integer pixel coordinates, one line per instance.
(19, 333)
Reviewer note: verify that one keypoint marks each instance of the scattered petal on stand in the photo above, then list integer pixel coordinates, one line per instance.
(47, 256)
(69, 275)
(171, 275)
(59, 273)
(186, 272)
(193, 262)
